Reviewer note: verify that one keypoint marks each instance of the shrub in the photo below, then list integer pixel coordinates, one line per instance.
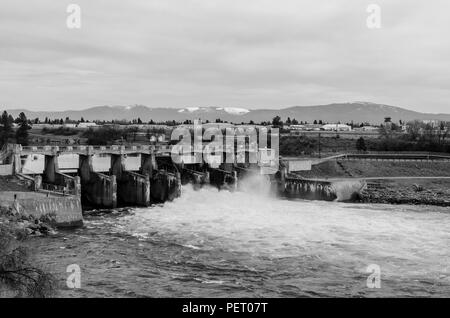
(18, 276)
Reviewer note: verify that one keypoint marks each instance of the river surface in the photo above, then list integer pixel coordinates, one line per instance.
(248, 244)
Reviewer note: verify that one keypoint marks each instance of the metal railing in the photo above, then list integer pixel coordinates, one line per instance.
(57, 189)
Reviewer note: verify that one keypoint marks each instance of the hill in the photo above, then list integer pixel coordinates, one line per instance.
(343, 112)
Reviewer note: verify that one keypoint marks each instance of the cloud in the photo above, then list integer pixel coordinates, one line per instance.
(253, 53)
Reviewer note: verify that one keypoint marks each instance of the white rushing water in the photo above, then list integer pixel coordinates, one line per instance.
(410, 244)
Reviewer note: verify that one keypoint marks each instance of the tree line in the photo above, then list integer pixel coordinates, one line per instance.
(9, 134)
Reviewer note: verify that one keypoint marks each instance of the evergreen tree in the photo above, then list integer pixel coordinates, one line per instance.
(361, 144)
(276, 121)
(22, 131)
(6, 129)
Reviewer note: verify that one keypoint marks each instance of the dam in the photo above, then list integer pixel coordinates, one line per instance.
(106, 177)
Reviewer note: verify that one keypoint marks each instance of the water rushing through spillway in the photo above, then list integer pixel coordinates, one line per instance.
(249, 243)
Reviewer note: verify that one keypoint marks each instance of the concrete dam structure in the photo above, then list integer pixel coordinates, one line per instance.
(110, 176)
(103, 177)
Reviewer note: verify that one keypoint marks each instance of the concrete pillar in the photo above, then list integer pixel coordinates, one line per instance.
(235, 180)
(148, 164)
(283, 172)
(16, 150)
(117, 165)
(51, 168)
(207, 181)
(146, 192)
(37, 183)
(111, 192)
(77, 181)
(86, 167)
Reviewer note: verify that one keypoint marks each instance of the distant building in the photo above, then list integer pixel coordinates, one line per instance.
(297, 127)
(313, 127)
(431, 122)
(86, 125)
(367, 128)
(337, 127)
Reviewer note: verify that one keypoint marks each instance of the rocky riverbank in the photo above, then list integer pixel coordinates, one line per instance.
(19, 274)
(27, 224)
(417, 192)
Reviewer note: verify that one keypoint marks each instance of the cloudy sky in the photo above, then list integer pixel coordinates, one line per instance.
(240, 53)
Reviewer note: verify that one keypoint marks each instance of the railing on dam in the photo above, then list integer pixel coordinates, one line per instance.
(396, 156)
(114, 149)
(58, 189)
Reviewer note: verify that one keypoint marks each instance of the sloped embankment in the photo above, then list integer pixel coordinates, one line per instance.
(377, 169)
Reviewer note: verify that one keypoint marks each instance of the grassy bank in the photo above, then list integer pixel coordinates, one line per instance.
(394, 191)
(375, 169)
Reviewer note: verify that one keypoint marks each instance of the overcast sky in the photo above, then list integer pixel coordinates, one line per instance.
(240, 53)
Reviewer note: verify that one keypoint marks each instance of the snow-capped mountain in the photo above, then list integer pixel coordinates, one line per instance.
(343, 112)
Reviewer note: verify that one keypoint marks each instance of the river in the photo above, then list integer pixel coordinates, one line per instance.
(211, 243)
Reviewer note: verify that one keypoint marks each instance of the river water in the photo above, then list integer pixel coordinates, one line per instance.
(211, 243)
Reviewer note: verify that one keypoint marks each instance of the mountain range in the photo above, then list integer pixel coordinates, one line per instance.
(337, 112)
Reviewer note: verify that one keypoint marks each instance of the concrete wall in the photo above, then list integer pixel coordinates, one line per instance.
(345, 190)
(299, 165)
(308, 189)
(33, 164)
(68, 162)
(132, 162)
(101, 163)
(66, 209)
(6, 170)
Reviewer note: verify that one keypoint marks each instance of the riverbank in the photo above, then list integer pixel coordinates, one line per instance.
(407, 191)
(400, 182)
(19, 274)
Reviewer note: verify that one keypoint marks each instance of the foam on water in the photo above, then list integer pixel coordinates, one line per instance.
(404, 242)
(248, 243)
